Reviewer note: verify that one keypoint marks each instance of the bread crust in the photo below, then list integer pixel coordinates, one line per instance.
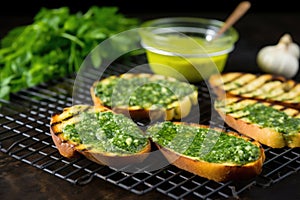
(219, 172)
(217, 82)
(224, 87)
(71, 149)
(212, 171)
(267, 136)
(177, 110)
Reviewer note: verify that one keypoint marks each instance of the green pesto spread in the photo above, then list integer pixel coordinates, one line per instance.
(106, 132)
(143, 92)
(194, 142)
(266, 116)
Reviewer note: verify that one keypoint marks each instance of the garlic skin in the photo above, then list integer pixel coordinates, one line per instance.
(280, 59)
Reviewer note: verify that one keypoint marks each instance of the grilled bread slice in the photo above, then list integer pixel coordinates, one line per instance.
(99, 134)
(208, 152)
(266, 87)
(273, 125)
(145, 96)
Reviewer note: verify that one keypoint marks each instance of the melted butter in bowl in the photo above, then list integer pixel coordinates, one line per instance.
(178, 47)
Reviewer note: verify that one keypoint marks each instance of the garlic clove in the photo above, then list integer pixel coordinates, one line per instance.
(280, 59)
(294, 49)
(277, 63)
(286, 41)
(287, 65)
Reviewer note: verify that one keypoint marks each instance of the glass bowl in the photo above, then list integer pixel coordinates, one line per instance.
(184, 48)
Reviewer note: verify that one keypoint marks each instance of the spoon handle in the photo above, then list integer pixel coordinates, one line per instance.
(238, 12)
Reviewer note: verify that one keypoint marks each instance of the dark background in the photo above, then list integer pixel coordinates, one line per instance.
(20, 12)
(30, 7)
(264, 23)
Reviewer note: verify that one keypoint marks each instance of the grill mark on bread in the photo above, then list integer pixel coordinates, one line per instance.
(235, 107)
(251, 82)
(234, 114)
(252, 85)
(239, 81)
(69, 148)
(230, 77)
(170, 107)
(272, 91)
(58, 133)
(63, 120)
(68, 117)
(264, 87)
(234, 104)
(291, 94)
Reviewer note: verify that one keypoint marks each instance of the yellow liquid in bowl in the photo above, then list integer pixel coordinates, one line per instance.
(183, 63)
(191, 69)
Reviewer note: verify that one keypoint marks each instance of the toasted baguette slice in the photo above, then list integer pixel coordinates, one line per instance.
(273, 125)
(208, 152)
(266, 87)
(99, 134)
(145, 96)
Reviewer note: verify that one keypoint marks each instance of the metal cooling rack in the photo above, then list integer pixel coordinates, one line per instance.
(24, 135)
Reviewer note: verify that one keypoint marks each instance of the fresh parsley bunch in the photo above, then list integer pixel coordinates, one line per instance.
(55, 44)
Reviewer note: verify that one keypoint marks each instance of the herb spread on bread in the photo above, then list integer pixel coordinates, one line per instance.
(266, 116)
(112, 139)
(274, 125)
(190, 141)
(141, 91)
(106, 132)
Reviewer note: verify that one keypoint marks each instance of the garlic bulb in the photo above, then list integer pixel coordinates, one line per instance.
(280, 59)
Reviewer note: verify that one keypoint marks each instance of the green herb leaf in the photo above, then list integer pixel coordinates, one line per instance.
(55, 44)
